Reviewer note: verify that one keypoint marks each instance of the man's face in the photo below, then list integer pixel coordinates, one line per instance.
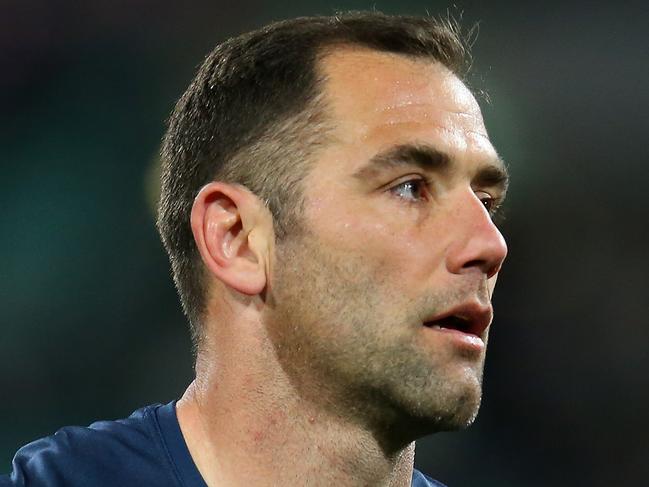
(381, 304)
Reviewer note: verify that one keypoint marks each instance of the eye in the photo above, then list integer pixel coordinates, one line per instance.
(490, 203)
(411, 190)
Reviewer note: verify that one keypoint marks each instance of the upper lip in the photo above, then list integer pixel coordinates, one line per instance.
(475, 316)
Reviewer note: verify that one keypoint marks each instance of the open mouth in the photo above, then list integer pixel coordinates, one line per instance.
(471, 318)
(453, 323)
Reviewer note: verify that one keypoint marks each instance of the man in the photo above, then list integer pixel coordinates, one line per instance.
(327, 199)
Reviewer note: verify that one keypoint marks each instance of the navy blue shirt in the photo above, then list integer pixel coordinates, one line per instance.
(146, 449)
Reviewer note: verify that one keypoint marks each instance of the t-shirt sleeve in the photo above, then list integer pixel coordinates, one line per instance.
(40, 463)
(108, 454)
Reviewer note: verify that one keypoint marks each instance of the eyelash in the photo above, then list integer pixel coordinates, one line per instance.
(422, 183)
(491, 203)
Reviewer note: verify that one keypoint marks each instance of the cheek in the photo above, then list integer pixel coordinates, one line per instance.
(400, 246)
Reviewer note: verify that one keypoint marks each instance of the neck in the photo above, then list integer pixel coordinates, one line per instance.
(246, 425)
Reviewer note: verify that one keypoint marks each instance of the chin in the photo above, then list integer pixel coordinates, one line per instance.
(426, 419)
(459, 417)
(445, 408)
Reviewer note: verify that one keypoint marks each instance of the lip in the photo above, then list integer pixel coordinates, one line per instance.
(475, 317)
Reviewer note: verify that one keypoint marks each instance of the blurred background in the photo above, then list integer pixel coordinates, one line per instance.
(90, 326)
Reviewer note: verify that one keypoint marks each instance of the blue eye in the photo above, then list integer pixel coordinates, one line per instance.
(412, 190)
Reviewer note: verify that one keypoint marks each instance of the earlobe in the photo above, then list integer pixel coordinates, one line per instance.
(222, 220)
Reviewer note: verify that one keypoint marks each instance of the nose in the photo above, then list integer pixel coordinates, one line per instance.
(478, 244)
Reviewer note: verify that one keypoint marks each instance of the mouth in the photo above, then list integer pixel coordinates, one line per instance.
(470, 319)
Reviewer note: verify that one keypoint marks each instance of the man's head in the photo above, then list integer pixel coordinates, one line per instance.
(381, 182)
(387, 291)
(254, 115)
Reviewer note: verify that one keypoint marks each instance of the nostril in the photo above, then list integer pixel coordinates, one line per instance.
(486, 266)
(474, 263)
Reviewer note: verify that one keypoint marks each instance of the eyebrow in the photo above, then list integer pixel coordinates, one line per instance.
(429, 158)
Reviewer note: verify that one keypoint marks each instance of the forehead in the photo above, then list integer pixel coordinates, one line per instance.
(380, 99)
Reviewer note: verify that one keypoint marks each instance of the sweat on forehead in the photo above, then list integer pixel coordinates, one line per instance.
(392, 81)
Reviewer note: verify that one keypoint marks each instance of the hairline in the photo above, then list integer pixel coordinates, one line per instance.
(317, 107)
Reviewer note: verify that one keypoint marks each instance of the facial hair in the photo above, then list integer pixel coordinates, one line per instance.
(350, 342)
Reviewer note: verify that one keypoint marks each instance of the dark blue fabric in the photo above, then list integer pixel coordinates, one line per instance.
(146, 449)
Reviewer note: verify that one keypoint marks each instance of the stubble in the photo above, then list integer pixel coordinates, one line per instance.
(350, 342)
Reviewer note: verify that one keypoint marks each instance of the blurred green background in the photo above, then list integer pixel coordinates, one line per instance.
(90, 326)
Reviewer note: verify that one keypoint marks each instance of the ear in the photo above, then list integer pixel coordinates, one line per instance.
(232, 234)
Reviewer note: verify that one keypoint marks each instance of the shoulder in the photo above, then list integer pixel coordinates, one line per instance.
(124, 452)
(422, 480)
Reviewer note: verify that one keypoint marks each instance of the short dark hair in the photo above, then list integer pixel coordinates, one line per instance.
(254, 115)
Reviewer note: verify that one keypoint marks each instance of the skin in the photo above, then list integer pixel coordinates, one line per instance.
(316, 367)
